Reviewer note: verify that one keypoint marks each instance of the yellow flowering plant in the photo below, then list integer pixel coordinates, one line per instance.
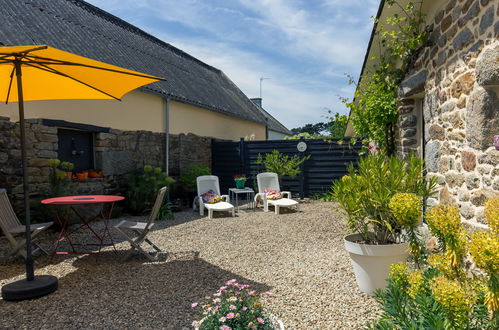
(407, 209)
(484, 250)
(456, 301)
(446, 293)
(491, 212)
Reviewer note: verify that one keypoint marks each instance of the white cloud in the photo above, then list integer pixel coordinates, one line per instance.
(293, 100)
(304, 46)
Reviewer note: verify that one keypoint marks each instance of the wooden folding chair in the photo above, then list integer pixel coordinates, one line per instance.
(12, 228)
(142, 229)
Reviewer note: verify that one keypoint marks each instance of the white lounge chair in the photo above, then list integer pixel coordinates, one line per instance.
(270, 181)
(12, 227)
(142, 229)
(206, 183)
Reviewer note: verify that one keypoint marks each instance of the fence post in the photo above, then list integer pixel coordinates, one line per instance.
(242, 156)
(302, 177)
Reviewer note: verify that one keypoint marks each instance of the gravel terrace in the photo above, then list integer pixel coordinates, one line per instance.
(298, 256)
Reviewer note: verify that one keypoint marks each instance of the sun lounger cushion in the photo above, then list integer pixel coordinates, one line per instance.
(272, 194)
(211, 197)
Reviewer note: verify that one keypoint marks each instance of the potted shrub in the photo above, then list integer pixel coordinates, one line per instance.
(68, 167)
(81, 176)
(94, 174)
(380, 233)
(240, 180)
(235, 306)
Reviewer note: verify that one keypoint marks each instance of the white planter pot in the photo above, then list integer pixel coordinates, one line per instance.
(371, 263)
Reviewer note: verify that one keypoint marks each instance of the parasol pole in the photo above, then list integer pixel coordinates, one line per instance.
(30, 274)
(33, 286)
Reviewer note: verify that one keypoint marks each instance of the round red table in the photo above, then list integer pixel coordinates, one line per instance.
(83, 200)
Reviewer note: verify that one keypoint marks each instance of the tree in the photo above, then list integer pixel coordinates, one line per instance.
(312, 129)
(334, 128)
(337, 125)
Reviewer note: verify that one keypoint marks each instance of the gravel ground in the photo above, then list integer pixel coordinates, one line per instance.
(298, 256)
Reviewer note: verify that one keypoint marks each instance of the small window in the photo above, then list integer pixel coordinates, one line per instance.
(77, 147)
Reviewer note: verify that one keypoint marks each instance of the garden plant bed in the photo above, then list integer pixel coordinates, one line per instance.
(299, 257)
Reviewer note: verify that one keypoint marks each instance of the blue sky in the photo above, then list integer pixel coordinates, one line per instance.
(305, 47)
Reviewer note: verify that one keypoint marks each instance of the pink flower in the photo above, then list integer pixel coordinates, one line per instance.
(260, 320)
(230, 316)
(218, 294)
(232, 307)
(196, 324)
(223, 288)
(193, 305)
(244, 309)
(237, 292)
(231, 282)
(252, 292)
(224, 327)
(222, 319)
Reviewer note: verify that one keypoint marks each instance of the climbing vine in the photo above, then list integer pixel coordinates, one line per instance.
(374, 108)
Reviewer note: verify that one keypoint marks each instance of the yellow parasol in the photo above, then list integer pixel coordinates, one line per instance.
(31, 73)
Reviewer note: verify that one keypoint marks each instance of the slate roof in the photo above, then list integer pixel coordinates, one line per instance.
(83, 29)
(275, 125)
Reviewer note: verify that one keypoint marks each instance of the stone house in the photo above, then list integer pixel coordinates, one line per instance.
(448, 101)
(168, 124)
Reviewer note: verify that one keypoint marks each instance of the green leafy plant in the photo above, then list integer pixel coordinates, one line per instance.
(233, 306)
(67, 166)
(281, 164)
(143, 188)
(365, 194)
(240, 177)
(373, 112)
(447, 293)
(188, 176)
(166, 212)
(59, 185)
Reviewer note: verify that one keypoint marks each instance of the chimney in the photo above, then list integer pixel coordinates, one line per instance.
(257, 101)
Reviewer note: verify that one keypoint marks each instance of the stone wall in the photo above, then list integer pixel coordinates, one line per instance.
(454, 85)
(116, 154)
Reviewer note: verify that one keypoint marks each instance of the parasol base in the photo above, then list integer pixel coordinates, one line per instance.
(23, 289)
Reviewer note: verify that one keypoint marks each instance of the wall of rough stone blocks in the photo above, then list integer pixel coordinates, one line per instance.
(116, 153)
(454, 85)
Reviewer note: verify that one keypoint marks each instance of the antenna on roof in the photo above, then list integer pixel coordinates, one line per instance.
(262, 79)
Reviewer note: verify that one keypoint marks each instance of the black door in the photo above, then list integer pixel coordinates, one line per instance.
(76, 147)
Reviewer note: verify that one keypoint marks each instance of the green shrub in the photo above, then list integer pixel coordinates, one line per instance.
(59, 185)
(281, 164)
(143, 188)
(188, 177)
(365, 194)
